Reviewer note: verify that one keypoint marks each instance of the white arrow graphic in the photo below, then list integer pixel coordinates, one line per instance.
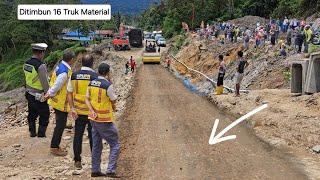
(216, 139)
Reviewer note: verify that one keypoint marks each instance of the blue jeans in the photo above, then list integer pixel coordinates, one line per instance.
(108, 132)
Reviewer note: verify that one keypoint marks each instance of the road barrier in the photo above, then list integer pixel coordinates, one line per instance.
(214, 83)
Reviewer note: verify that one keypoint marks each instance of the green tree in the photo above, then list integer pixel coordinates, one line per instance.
(171, 25)
(286, 8)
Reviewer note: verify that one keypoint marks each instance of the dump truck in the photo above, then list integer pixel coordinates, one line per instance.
(150, 54)
(135, 38)
(121, 43)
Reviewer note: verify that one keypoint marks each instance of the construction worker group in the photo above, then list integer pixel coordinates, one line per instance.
(85, 95)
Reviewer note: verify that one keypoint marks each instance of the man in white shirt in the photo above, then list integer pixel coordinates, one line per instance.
(58, 99)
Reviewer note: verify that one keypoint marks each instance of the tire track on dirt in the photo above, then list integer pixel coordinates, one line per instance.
(165, 134)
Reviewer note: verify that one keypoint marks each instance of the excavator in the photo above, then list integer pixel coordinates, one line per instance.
(121, 42)
(150, 54)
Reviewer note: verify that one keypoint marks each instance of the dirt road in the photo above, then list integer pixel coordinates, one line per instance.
(165, 135)
(22, 157)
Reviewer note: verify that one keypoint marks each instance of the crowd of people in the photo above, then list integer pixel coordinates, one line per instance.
(294, 33)
(86, 95)
(283, 34)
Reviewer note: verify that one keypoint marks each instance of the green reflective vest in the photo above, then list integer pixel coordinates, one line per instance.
(30, 69)
(308, 34)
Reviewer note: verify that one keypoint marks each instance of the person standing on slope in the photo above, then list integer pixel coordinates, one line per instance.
(222, 71)
(100, 100)
(77, 89)
(58, 99)
(37, 85)
(241, 65)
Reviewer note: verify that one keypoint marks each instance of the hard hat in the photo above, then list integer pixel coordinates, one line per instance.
(39, 46)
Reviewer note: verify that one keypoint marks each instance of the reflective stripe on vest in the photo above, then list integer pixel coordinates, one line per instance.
(101, 104)
(32, 78)
(80, 81)
(79, 95)
(60, 101)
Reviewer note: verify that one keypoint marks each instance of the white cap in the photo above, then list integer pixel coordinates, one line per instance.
(39, 46)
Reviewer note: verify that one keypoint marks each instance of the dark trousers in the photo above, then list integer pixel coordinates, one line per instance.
(132, 69)
(80, 126)
(61, 121)
(299, 46)
(289, 41)
(220, 79)
(37, 109)
(273, 40)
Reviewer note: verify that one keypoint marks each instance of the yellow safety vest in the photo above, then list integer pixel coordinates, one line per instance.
(308, 34)
(80, 81)
(30, 69)
(100, 101)
(60, 101)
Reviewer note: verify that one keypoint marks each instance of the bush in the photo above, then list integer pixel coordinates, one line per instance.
(179, 41)
(314, 48)
(287, 75)
(55, 56)
(62, 44)
(12, 74)
(11, 69)
(78, 50)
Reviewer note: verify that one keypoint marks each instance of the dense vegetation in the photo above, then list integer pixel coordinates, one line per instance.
(16, 37)
(127, 7)
(169, 14)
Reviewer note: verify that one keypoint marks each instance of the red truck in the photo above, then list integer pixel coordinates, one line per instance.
(121, 43)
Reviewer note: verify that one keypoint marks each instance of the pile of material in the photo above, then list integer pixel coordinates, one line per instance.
(249, 21)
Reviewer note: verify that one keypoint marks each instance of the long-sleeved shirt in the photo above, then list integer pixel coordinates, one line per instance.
(60, 81)
(43, 78)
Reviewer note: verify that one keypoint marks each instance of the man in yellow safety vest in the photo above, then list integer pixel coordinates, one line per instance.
(58, 99)
(307, 38)
(77, 89)
(100, 100)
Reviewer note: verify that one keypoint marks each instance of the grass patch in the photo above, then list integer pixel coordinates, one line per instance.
(55, 56)
(179, 42)
(11, 69)
(314, 48)
(287, 75)
(5, 98)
